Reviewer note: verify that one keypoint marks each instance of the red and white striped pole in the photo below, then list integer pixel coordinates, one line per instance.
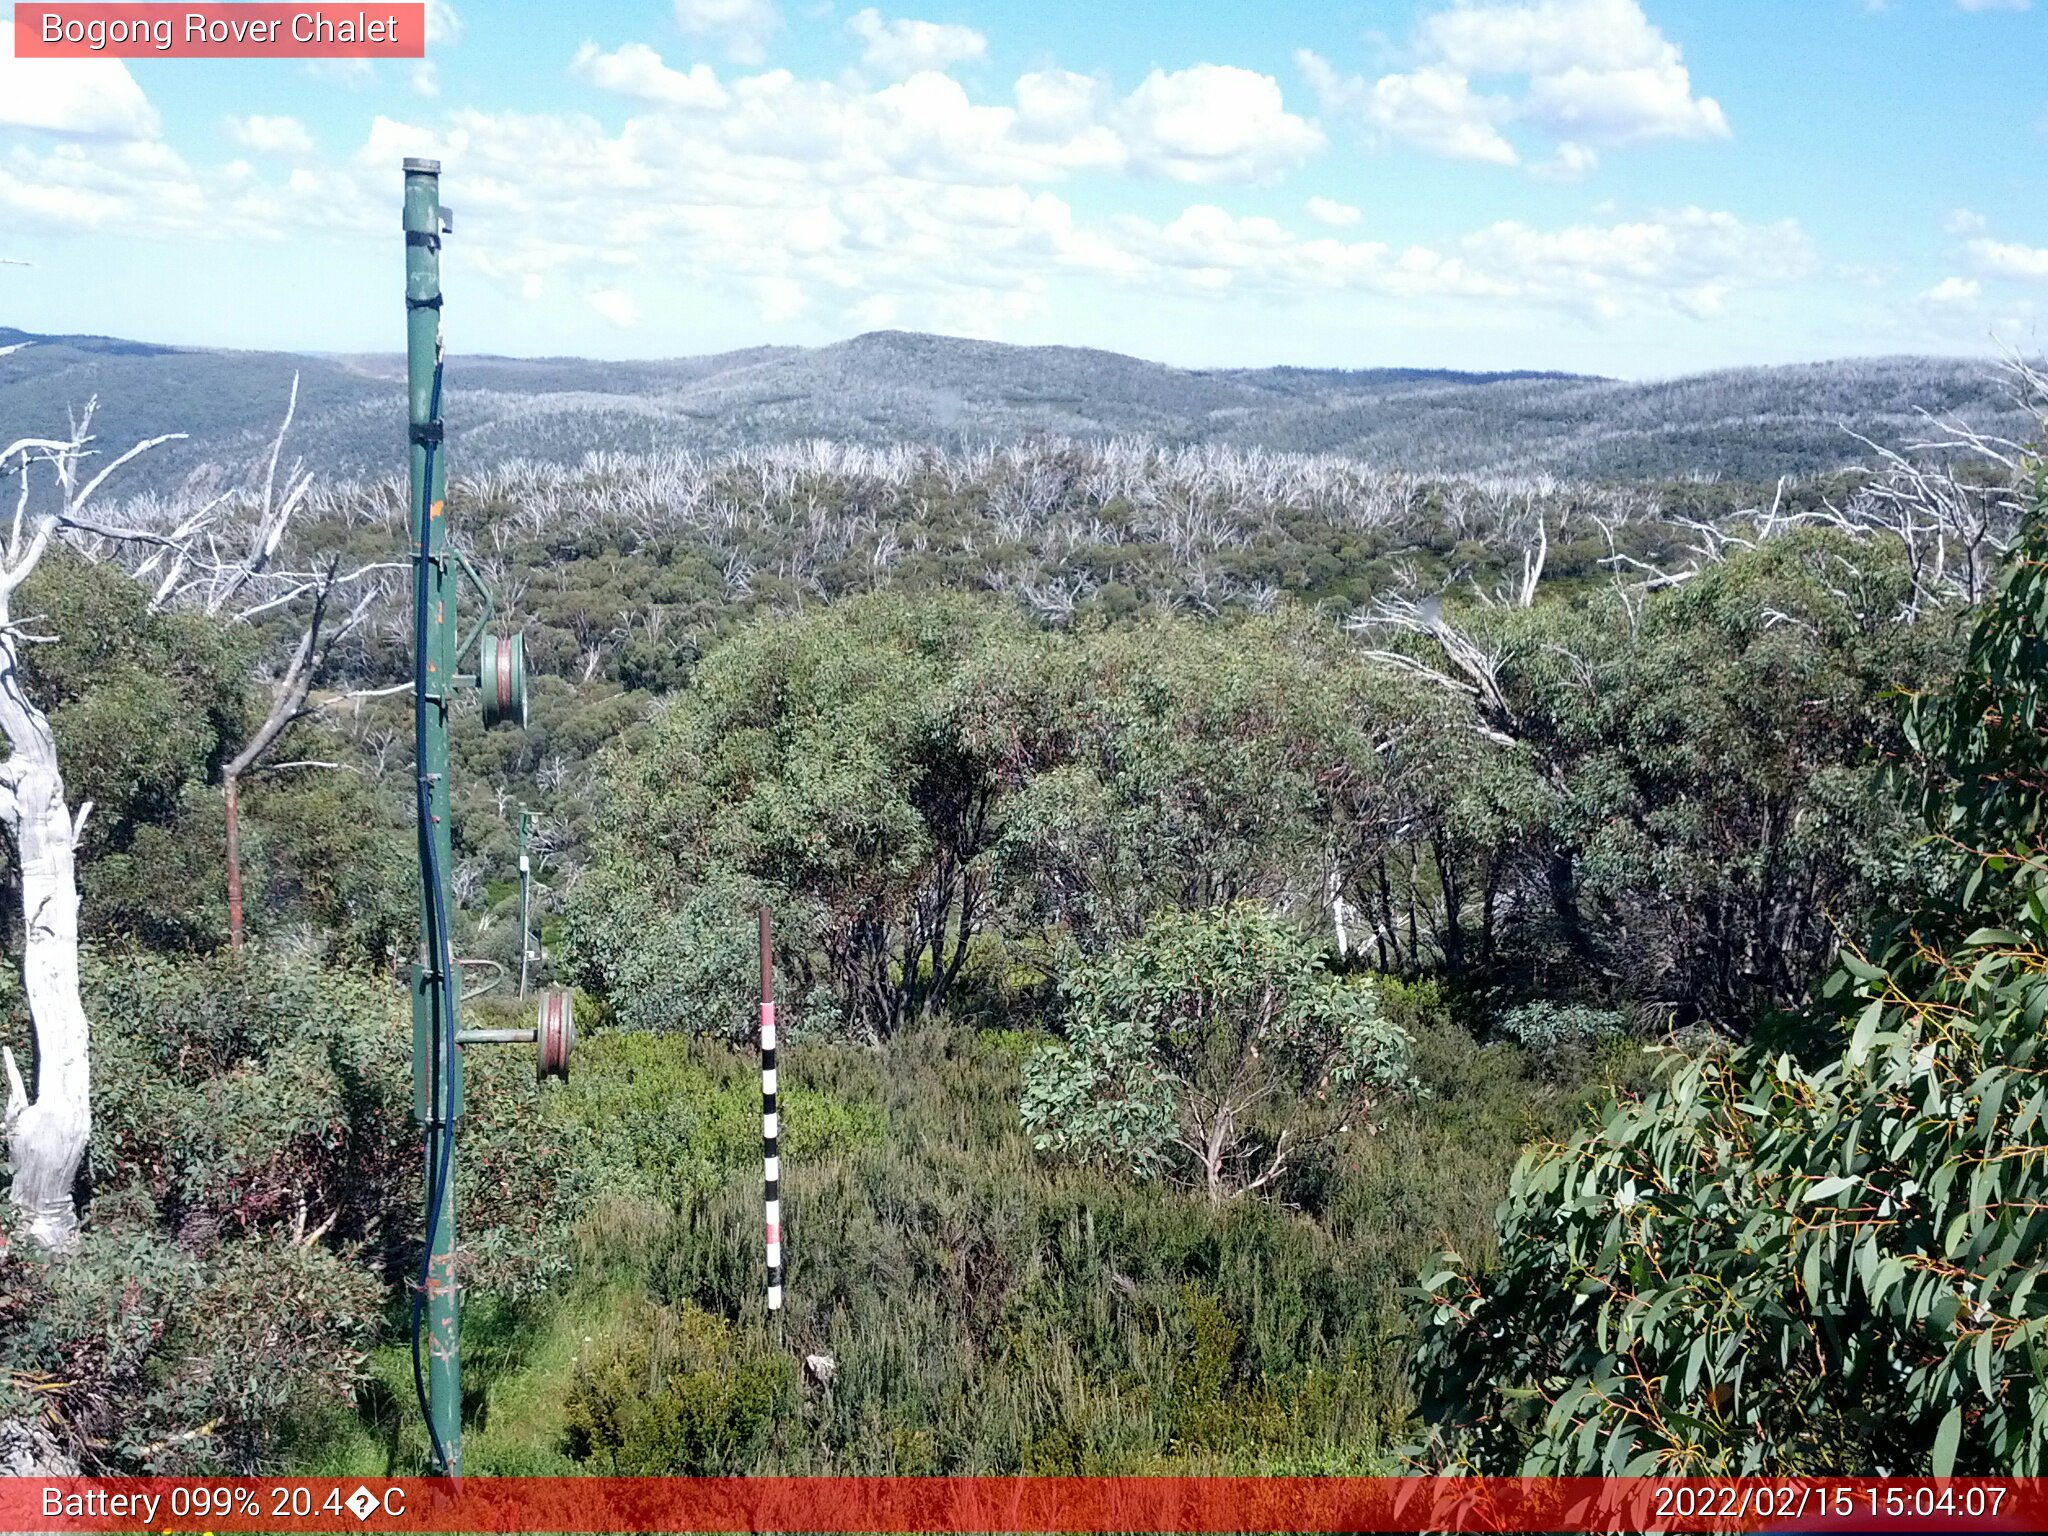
(771, 1161)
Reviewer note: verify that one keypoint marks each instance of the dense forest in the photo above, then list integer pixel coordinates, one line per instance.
(1288, 966)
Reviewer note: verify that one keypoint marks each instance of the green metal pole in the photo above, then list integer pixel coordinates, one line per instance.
(435, 1053)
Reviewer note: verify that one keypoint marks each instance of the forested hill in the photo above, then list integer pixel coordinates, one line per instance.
(891, 386)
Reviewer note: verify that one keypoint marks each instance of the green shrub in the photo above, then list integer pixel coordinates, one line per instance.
(654, 1119)
(994, 1311)
(1545, 1027)
(323, 853)
(842, 765)
(688, 968)
(1216, 1048)
(242, 1092)
(261, 1092)
(151, 1358)
(1415, 1007)
(676, 1393)
(144, 706)
(255, 1206)
(1183, 765)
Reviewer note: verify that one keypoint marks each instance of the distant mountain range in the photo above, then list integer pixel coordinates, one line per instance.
(1750, 424)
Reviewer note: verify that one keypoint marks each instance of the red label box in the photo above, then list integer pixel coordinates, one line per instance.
(954, 1506)
(368, 29)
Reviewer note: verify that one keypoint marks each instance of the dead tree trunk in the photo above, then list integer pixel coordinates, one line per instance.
(231, 796)
(272, 516)
(46, 1135)
(287, 708)
(289, 705)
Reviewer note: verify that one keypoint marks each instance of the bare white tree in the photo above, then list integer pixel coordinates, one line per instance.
(1472, 666)
(179, 551)
(1949, 501)
(47, 1133)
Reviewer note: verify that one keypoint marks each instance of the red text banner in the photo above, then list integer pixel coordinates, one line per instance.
(218, 31)
(1049, 1504)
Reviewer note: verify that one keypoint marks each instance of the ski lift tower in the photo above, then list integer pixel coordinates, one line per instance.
(439, 651)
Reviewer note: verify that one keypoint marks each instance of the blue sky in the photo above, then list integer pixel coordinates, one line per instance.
(1635, 187)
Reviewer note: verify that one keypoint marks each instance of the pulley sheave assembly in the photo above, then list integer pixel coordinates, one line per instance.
(501, 678)
(553, 1036)
(500, 658)
(557, 1033)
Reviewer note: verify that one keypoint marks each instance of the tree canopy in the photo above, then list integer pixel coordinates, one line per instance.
(1819, 1252)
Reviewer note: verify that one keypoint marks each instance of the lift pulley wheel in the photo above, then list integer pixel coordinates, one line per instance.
(501, 676)
(557, 1033)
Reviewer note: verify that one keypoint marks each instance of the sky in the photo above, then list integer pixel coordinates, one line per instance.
(1642, 188)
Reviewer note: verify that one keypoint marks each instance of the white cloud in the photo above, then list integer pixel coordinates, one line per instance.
(928, 126)
(1214, 122)
(144, 187)
(1623, 106)
(617, 306)
(390, 141)
(723, 205)
(1994, 5)
(91, 98)
(1337, 93)
(1953, 292)
(775, 127)
(744, 27)
(1962, 221)
(1599, 70)
(874, 232)
(877, 313)
(636, 70)
(271, 135)
(899, 48)
(1435, 109)
(425, 78)
(1682, 247)
(1596, 73)
(1058, 104)
(1543, 37)
(1335, 214)
(1570, 163)
(838, 201)
(2002, 259)
(1690, 262)
(443, 25)
(779, 298)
